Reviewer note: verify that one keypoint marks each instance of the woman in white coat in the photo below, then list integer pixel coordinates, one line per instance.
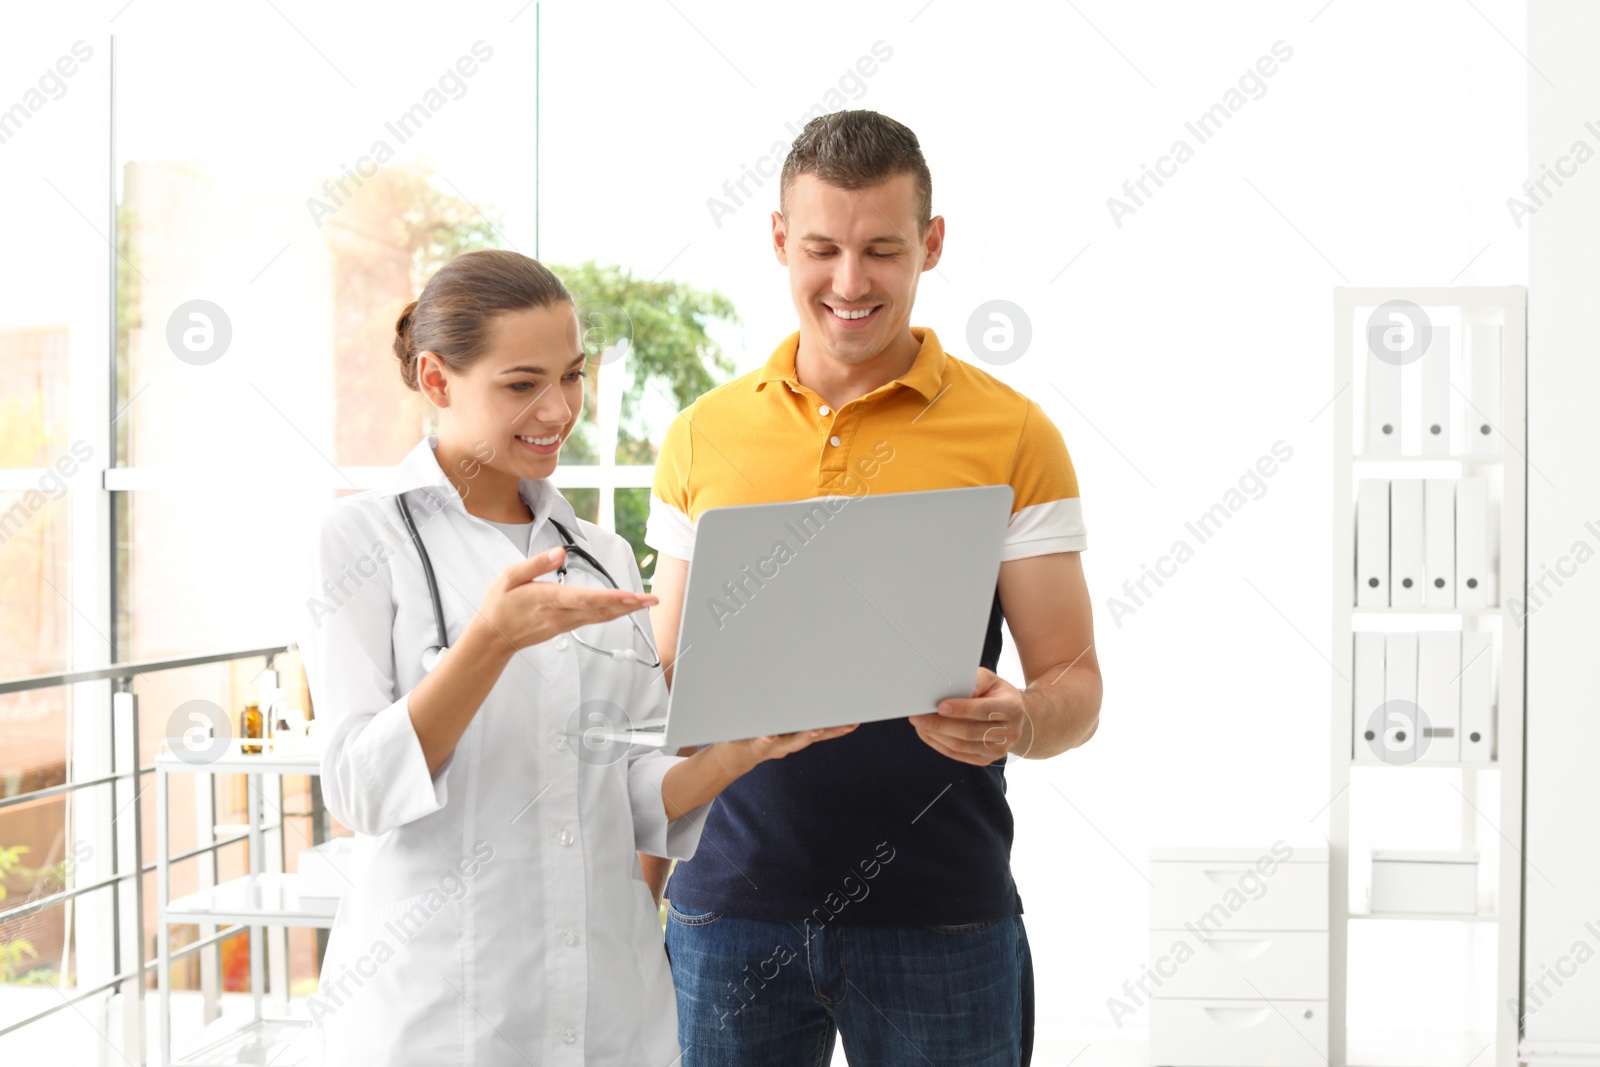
(495, 912)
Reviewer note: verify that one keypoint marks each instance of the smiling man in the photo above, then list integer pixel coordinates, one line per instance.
(863, 888)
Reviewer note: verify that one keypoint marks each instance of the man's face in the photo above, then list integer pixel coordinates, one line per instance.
(854, 258)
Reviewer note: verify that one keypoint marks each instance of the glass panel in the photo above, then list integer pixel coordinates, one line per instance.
(621, 158)
(33, 390)
(52, 186)
(36, 615)
(53, 315)
(269, 282)
(36, 860)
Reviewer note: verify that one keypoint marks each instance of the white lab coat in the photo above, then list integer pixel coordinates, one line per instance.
(494, 912)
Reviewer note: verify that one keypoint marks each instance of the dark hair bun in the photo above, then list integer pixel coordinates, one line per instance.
(403, 350)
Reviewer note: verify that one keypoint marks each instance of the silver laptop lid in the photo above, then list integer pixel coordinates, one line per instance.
(834, 610)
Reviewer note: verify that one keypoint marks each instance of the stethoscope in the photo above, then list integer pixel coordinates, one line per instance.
(431, 654)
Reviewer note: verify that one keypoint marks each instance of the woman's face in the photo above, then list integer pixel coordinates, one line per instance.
(515, 406)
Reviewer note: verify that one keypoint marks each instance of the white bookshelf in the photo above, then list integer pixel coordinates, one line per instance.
(1500, 904)
(255, 901)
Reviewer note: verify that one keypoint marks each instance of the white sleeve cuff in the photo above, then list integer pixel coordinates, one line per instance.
(653, 833)
(668, 530)
(1039, 529)
(380, 774)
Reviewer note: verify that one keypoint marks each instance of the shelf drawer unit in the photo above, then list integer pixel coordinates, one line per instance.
(1238, 968)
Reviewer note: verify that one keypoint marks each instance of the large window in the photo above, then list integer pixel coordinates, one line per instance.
(224, 212)
(53, 338)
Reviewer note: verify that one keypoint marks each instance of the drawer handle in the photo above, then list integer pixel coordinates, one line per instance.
(1227, 879)
(1239, 1018)
(1239, 950)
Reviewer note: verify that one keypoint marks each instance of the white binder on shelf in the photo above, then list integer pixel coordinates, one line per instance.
(1405, 543)
(1483, 416)
(1477, 696)
(1472, 542)
(1372, 543)
(1491, 553)
(1439, 543)
(1367, 689)
(1398, 742)
(1439, 695)
(1435, 398)
(1383, 407)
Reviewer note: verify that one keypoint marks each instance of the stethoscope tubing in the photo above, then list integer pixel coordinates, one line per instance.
(431, 655)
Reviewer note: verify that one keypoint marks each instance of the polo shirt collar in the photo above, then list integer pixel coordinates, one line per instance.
(420, 470)
(926, 372)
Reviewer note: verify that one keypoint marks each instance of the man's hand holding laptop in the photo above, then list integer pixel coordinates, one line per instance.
(980, 729)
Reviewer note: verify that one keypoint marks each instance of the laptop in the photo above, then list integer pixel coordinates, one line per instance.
(824, 612)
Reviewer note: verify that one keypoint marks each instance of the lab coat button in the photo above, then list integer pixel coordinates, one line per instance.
(561, 742)
(572, 937)
(561, 643)
(565, 837)
(569, 1035)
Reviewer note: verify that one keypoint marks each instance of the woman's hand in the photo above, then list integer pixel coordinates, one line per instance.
(755, 750)
(524, 612)
(698, 779)
(516, 612)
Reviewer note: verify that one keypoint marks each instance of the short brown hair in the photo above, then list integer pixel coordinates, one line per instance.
(451, 317)
(856, 148)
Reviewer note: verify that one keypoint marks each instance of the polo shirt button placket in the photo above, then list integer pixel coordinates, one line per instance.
(824, 411)
(834, 461)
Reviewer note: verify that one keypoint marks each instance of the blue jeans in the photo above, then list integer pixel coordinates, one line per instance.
(775, 994)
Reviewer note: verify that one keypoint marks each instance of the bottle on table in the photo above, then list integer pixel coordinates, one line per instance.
(250, 726)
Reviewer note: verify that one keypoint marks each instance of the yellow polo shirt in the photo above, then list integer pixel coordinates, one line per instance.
(764, 438)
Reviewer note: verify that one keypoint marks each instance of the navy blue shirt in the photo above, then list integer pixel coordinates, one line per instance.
(872, 827)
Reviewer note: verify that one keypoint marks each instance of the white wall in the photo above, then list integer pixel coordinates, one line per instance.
(1562, 877)
(1172, 352)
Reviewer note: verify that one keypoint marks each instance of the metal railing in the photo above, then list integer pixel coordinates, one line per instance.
(131, 977)
(125, 672)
